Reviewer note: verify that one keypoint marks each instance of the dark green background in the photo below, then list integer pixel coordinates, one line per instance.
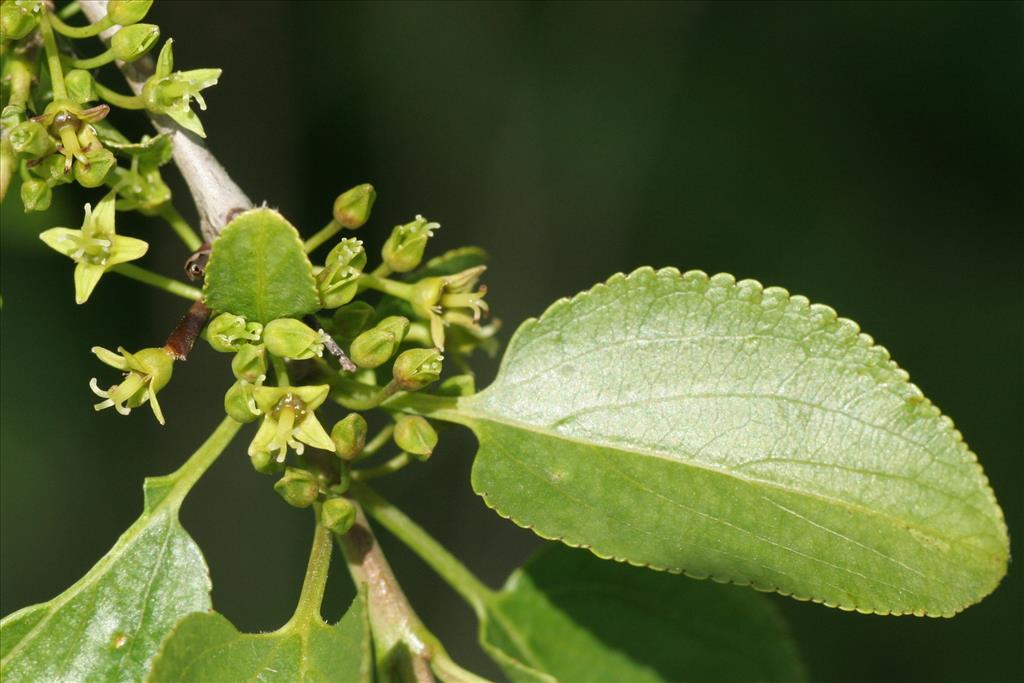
(866, 155)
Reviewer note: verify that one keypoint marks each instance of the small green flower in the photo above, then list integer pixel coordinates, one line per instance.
(94, 247)
(414, 435)
(349, 436)
(127, 12)
(171, 92)
(450, 300)
(416, 368)
(146, 373)
(227, 333)
(291, 338)
(338, 283)
(18, 18)
(132, 42)
(403, 251)
(289, 420)
(338, 515)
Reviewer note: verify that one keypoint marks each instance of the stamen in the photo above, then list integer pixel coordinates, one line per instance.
(94, 385)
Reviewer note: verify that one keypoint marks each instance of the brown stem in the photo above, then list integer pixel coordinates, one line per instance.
(400, 640)
(183, 338)
(216, 195)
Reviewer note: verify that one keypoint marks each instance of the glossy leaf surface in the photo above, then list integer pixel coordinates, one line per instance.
(724, 430)
(259, 271)
(206, 647)
(570, 616)
(109, 625)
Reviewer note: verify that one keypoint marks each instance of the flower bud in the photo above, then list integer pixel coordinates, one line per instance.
(36, 195)
(132, 42)
(250, 363)
(415, 436)
(127, 12)
(338, 515)
(353, 318)
(416, 368)
(51, 169)
(403, 251)
(30, 139)
(373, 348)
(239, 403)
(426, 296)
(228, 333)
(18, 19)
(298, 487)
(291, 338)
(349, 436)
(91, 171)
(337, 283)
(80, 86)
(352, 207)
(265, 462)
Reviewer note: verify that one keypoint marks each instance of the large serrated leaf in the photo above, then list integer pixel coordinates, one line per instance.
(259, 271)
(569, 616)
(723, 430)
(207, 647)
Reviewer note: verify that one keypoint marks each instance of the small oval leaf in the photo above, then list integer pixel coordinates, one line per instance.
(712, 427)
(569, 616)
(207, 647)
(258, 270)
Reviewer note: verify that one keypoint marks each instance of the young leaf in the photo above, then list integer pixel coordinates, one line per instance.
(206, 647)
(259, 271)
(723, 430)
(569, 616)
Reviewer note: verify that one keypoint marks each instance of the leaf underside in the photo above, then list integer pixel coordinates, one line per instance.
(207, 647)
(725, 430)
(569, 616)
(259, 271)
(109, 625)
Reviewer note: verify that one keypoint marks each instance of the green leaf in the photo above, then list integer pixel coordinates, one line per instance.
(108, 625)
(569, 616)
(723, 430)
(206, 647)
(259, 271)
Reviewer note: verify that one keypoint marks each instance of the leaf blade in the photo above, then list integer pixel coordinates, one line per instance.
(258, 269)
(566, 615)
(779, 420)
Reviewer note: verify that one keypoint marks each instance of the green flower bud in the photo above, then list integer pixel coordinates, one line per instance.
(239, 403)
(291, 338)
(171, 92)
(51, 169)
(353, 318)
(415, 436)
(30, 139)
(349, 436)
(352, 207)
(36, 195)
(93, 169)
(18, 18)
(132, 42)
(127, 12)
(80, 86)
(337, 283)
(403, 251)
(228, 333)
(338, 515)
(416, 368)
(12, 115)
(298, 487)
(250, 363)
(265, 462)
(426, 296)
(373, 348)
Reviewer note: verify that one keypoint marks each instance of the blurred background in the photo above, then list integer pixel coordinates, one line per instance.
(868, 155)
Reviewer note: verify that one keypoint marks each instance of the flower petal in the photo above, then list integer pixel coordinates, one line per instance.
(114, 360)
(87, 276)
(64, 240)
(310, 431)
(126, 249)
